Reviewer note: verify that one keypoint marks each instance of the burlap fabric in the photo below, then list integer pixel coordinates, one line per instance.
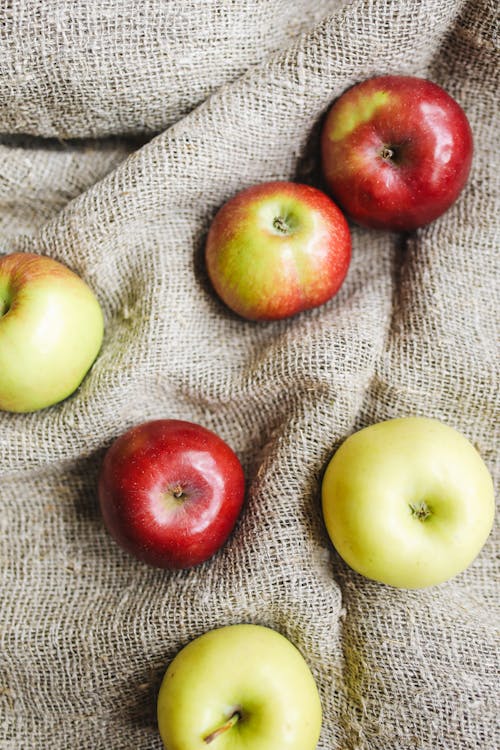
(237, 91)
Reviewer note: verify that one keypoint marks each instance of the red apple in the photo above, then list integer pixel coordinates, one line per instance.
(396, 152)
(171, 492)
(276, 249)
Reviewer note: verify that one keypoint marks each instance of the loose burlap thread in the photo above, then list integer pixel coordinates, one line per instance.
(237, 92)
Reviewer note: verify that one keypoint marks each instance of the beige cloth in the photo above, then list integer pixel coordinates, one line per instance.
(237, 91)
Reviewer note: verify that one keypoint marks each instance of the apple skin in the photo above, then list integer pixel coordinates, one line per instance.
(396, 152)
(51, 329)
(248, 669)
(276, 249)
(408, 502)
(170, 492)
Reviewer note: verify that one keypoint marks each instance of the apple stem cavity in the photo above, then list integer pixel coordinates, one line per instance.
(230, 723)
(387, 153)
(421, 511)
(178, 492)
(281, 225)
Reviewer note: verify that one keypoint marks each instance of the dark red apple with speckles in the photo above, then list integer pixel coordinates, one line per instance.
(170, 492)
(276, 249)
(396, 152)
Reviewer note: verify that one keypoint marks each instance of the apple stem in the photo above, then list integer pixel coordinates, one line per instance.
(387, 153)
(280, 224)
(233, 719)
(421, 511)
(178, 492)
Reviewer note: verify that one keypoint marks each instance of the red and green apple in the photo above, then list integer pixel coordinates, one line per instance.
(396, 152)
(51, 329)
(240, 686)
(276, 249)
(170, 492)
(408, 502)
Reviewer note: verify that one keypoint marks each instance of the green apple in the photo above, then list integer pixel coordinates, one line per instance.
(51, 329)
(408, 502)
(241, 687)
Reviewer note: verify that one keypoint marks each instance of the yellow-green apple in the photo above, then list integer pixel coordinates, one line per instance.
(243, 687)
(276, 249)
(51, 329)
(171, 492)
(408, 502)
(396, 152)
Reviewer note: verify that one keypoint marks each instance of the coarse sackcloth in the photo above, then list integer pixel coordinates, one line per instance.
(125, 126)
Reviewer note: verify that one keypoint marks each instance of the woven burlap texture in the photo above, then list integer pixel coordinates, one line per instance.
(237, 91)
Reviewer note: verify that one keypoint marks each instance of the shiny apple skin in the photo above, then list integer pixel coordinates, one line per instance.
(263, 272)
(431, 143)
(142, 472)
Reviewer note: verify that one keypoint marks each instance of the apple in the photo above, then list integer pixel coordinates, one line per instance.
(276, 249)
(51, 330)
(408, 502)
(170, 492)
(396, 152)
(240, 686)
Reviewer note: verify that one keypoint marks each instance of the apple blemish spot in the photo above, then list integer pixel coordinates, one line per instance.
(5, 300)
(4, 307)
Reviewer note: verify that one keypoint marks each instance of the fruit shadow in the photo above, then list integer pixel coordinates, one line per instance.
(140, 711)
(94, 549)
(308, 169)
(85, 475)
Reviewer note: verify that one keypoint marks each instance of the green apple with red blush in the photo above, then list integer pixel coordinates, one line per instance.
(276, 249)
(396, 152)
(240, 686)
(51, 329)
